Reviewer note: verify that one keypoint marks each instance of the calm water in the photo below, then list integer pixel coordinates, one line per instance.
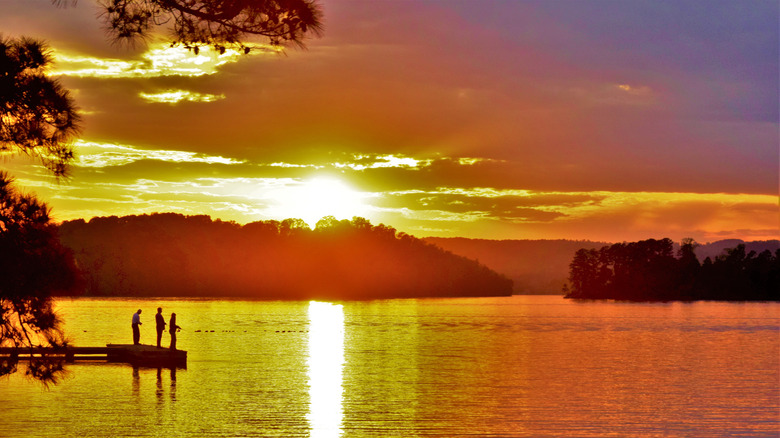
(518, 366)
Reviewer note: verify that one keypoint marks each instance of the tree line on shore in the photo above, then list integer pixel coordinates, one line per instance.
(168, 254)
(649, 270)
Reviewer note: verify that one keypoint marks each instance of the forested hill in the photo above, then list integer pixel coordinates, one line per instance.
(174, 255)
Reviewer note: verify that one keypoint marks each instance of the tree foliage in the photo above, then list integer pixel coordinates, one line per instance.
(174, 255)
(33, 266)
(37, 115)
(649, 271)
(218, 23)
(37, 118)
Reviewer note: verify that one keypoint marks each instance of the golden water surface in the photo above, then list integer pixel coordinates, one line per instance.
(515, 367)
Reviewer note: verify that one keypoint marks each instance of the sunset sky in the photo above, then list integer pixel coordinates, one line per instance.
(517, 119)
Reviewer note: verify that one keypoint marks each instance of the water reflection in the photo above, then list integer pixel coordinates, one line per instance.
(325, 365)
(136, 382)
(159, 391)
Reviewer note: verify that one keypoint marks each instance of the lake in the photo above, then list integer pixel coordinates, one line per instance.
(535, 366)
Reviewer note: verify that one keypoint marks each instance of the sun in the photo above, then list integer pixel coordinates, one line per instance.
(315, 198)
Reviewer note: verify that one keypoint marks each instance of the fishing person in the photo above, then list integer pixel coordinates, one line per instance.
(173, 328)
(136, 330)
(159, 320)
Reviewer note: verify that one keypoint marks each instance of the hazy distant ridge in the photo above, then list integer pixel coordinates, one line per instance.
(542, 266)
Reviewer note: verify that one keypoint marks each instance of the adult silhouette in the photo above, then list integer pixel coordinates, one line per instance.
(173, 328)
(136, 330)
(160, 325)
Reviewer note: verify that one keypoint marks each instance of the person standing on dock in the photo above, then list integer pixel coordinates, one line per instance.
(173, 328)
(136, 329)
(160, 322)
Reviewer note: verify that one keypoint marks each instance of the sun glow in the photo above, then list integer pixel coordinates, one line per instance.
(326, 363)
(311, 200)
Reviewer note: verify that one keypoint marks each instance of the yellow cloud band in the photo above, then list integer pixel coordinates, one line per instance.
(157, 61)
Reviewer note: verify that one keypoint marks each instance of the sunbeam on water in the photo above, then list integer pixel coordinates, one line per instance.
(325, 365)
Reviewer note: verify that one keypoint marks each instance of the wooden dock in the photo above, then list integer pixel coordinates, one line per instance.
(138, 355)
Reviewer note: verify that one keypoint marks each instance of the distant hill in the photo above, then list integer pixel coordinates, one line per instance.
(716, 248)
(194, 256)
(538, 267)
(542, 266)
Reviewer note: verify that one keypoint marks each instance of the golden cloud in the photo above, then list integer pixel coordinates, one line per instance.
(176, 96)
(360, 162)
(95, 154)
(158, 61)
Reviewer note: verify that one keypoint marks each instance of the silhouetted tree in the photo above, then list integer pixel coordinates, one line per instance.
(37, 115)
(33, 266)
(689, 269)
(648, 271)
(584, 274)
(37, 118)
(217, 23)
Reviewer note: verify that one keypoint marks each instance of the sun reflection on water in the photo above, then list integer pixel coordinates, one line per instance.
(325, 363)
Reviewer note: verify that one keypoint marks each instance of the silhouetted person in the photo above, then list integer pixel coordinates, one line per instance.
(136, 329)
(173, 328)
(160, 323)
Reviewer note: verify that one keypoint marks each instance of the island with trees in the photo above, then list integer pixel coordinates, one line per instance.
(169, 254)
(649, 270)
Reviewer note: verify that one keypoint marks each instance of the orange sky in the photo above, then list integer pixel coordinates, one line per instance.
(494, 119)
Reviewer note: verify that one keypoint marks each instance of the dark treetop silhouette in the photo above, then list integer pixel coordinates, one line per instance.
(173, 255)
(33, 266)
(220, 24)
(649, 271)
(37, 115)
(37, 118)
